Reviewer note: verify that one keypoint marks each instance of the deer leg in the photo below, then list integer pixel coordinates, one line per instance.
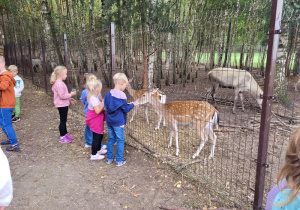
(164, 123)
(213, 138)
(134, 112)
(171, 136)
(203, 138)
(146, 113)
(176, 138)
(159, 121)
(242, 100)
(236, 93)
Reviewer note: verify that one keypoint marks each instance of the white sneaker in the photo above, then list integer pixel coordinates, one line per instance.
(86, 145)
(97, 157)
(102, 151)
(103, 146)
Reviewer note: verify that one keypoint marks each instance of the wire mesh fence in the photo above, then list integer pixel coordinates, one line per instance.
(178, 56)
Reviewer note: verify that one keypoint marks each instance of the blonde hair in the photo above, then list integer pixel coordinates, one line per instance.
(56, 72)
(12, 67)
(92, 83)
(291, 169)
(119, 77)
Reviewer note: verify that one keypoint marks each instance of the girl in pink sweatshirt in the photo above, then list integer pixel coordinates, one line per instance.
(62, 99)
(95, 116)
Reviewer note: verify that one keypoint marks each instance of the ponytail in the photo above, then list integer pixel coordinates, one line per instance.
(92, 83)
(56, 72)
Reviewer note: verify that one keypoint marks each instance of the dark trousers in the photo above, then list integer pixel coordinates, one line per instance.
(63, 114)
(96, 145)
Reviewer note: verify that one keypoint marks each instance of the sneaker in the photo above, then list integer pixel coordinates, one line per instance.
(122, 162)
(69, 136)
(13, 148)
(102, 151)
(97, 157)
(87, 145)
(12, 115)
(65, 140)
(109, 161)
(6, 142)
(103, 146)
(15, 119)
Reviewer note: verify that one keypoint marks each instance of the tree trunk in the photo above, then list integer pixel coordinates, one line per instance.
(50, 35)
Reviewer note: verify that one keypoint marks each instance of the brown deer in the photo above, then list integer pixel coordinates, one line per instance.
(159, 95)
(200, 115)
(239, 80)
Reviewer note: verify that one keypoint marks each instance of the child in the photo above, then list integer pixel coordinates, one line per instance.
(6, 188)
(62, 99)
(95, 117)
(7, 103)
(18, 89)
(88, 133)
(286, 194)
(115, 103)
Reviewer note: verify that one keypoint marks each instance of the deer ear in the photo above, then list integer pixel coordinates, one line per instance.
(154, 90)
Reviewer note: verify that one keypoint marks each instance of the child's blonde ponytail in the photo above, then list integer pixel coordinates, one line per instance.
(92, 83)
(56, 72)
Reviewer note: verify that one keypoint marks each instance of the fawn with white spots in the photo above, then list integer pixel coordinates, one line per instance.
(159, 95)
(200, 115)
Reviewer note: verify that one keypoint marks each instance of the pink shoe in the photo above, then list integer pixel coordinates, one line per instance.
(65, 140)
(102, 151)
(97, 157)
(69, 136)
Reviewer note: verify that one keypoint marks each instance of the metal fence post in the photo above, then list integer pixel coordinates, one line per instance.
(113, 52)
(30, 60)
(22, 65)
(66, 58)
(44, 63)
(274, 31)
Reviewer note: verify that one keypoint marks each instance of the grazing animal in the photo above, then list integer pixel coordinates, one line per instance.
(239, 80)
(295, 79)
(159, 95)
(200, 115)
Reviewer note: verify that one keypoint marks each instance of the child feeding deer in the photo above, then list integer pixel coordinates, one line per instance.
(200, 115)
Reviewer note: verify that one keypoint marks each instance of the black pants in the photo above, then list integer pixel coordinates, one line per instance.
(63, 114)
(96, 145)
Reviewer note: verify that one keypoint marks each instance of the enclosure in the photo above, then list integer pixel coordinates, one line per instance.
(176, 56)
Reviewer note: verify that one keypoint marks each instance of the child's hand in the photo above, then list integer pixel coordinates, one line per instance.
(101, 98)
(73, 93)
(136, 103)
(73, 101)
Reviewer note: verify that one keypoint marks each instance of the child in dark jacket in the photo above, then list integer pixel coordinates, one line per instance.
(115, 103)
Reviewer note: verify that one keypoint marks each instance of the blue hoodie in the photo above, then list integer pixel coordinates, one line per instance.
(115, 103)
(83, 99)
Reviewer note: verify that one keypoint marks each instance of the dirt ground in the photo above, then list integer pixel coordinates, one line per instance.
(50, 175)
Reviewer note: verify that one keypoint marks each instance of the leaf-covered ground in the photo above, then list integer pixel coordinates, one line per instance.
(50, 175)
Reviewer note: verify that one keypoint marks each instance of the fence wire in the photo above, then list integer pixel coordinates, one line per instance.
(181, 54)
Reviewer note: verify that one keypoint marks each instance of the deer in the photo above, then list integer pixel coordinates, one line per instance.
(200, 115)
(159, 95)
(239, 80)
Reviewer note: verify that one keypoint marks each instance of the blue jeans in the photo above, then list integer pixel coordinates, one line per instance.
(115, 134)
(6, 125)
(88, 135)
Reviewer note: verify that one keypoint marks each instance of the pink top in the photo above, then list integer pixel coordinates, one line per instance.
(61, 94)
(93, 120)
